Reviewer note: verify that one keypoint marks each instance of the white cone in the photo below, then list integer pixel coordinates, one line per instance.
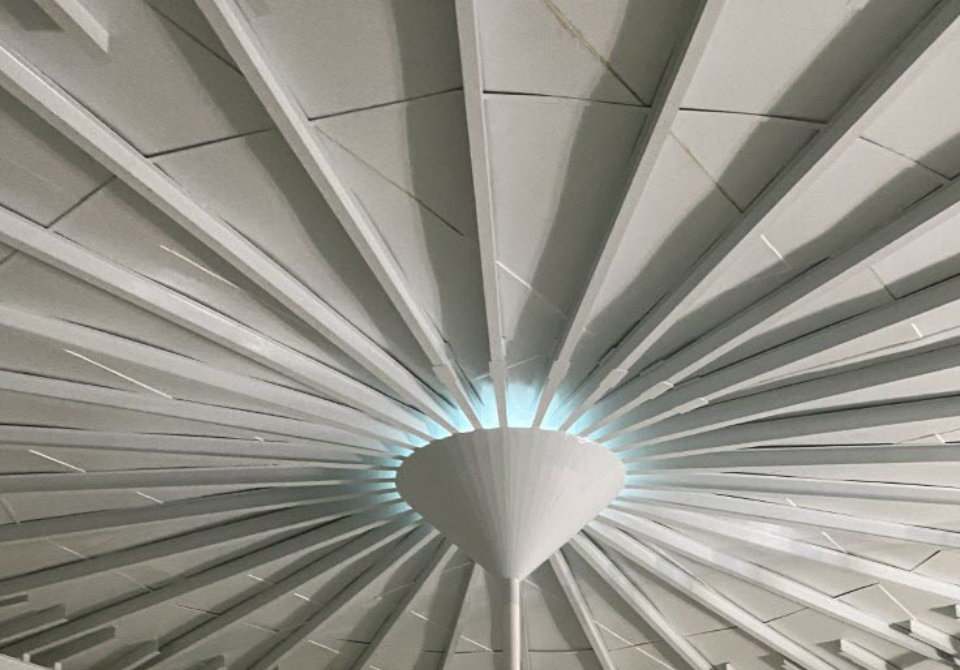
(510, 497)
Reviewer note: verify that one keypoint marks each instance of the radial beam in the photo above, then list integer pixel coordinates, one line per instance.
(360, 552)
(926, 42)
(459, 618)
(947, 643)
(581, 609)
(703, 594)
(670, 92)
(78, 261)
(21, 436)
(638, 601)
(238, 562)
(905, 228)
(766, 579)
(67, 115)
(745, 373)
(863, 657)
(791, 395)
(471, 66)
(247, 501)
(71, 15)
(638, 500)
(241, 42)
(320, 614)
(179, 544)
(796, 428)
(773, 538)
(778, 457)
(32, 621)
(130, 657)
(110, 480)
(149, 403)
(441, 556)
(800, 486)
(99, 342)
(61, 652)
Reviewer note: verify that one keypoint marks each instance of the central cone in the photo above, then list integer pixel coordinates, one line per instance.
(510, 497)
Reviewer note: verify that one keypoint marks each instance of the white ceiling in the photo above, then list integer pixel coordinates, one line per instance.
(257, 251)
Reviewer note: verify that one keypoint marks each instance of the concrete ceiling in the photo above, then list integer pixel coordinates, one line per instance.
(253, 253)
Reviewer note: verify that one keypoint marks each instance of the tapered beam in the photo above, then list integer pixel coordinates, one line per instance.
(800, 486)
(179, 544)
(78, 645)
(697, 590)
(78, 261)
(149, 403)
(441, 556)
(98, 342)
(241, 42)
(237, 562)
(471, 67)
(32, 621)
(778, 457)
(743, 374)
(656, 129)
(765, 579)
(638, 500)
(72, 16)
(923, 46)
(947, 643)
(907, 227)
(864, 658)
(161, 477)
(240, 501)
(19, 436)
(796, 428)
(784, 396)
(360, 551)
(638, 601)
(459, 618)
(71, 118)
(320, 614)
(14, 600)
(581, 609)
(773, 538)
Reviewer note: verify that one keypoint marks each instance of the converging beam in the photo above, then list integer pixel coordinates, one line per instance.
(71, 15)
(76, 122)
(656, 129)
(459, 618)
(471, 65)
(241, 42)
(927, 41)
(581, 609)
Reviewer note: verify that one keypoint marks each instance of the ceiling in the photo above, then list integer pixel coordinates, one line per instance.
(253, 253)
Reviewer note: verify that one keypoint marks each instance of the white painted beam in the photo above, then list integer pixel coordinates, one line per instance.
(639, 500)
(253, 501)
(934, 636)
(433, 565)
(799, 486)
(795, 428)
(703, 594)
(765, 579)
(130, 657)
(72, 16)
(320, 614)
(71, 118)
(150, 403)
(98, 342)
(773, 538)
(235, 563)
(864, 658)
(638, 601)
(906, 227)
(459, 618)
(656, 129)
(359, 553)
(471, 66)
(923, 46)
(31, 621)
(241, 42)
(305, 515)
(581, 609)
(80, 262)
(56, 654)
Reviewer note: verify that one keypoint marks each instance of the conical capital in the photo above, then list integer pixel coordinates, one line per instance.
(510, 497)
